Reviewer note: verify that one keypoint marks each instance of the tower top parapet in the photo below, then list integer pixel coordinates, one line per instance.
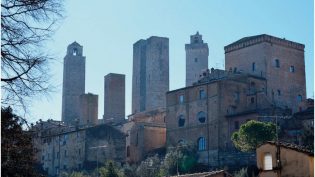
(196, 39)
(75, 49)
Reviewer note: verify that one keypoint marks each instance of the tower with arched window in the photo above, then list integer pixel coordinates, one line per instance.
(73, 82)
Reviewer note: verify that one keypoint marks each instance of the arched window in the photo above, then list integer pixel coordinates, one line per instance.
(75, 51)
(268, 161)
(181, 121)
(201, 116)
(201, 144)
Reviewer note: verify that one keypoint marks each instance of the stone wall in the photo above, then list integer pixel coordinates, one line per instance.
(114, 98)
(88, 109)
(73, 82)
(150, 74)
(284, 84)
(197, 53)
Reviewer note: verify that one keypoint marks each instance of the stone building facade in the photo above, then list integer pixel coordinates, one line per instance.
(197, 53)
(88, 109)
(114, 98)
(264, 78)
(73, 82)
(278, 60)
(150, 77)
(66, 148)
(200, 115)
(146, 135)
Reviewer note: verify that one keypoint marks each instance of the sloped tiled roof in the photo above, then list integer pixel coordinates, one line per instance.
(292, 147)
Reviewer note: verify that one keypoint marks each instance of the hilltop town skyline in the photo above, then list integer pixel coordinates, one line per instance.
(104, 56)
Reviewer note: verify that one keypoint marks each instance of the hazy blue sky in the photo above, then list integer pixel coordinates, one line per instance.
(108, 29)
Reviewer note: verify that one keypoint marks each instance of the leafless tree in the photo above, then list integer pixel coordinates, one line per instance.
(25, 26)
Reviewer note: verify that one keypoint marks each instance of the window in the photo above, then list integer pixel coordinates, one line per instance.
(267, 161)
(43, 157)
(181, 99)
(196, 39)
(196, 60)
(128, 151)
(201, 144)
(277, 63)
(75, 52)
(137, 137)
(79, 151)
(279, 92)
(65, 153)
(65, 167)
(292, 69)
(299, 98)
(252, 100)
(253, 66)
(181, 121)
(201, 117)
(202, 94)
(236, 96)
(58, 154)
(236, 125)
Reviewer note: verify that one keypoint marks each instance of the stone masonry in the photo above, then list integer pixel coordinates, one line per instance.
(150, 79)
(197, 53)
(280, 61)
(73, 82)
(88, 109)
(114, 98)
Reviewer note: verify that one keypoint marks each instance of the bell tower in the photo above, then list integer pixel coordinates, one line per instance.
(197, 53)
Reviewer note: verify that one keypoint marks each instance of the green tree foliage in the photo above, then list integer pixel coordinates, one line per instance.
(184, 157)
(16, 147)
(308, 138)
(149, 167)
(252, 134)
(241, 173)
(110, 170)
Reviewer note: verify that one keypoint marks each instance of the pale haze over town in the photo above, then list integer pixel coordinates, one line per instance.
(107, 31)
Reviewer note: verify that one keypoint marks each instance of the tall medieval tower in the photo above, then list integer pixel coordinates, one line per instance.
(73, 82)
(150, 77)
(197, 54)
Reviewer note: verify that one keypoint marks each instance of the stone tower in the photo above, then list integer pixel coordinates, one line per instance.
(114, 98)
(197, 54)
(279, 61)
(150, 78)
(73, 82)
(88, 109)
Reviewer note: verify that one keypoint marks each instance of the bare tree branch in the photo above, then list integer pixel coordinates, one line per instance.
(25, 26)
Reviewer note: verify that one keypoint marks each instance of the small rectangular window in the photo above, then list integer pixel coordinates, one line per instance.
(181, 99)
(202, 94)
(254, 66)
(267, 161)
(279, 92)
(292, 69)
(277, 63)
